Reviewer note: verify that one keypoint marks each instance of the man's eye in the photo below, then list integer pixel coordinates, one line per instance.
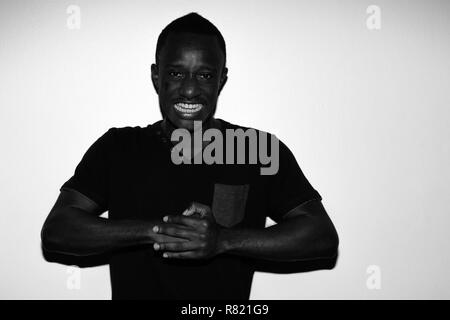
(175, 74)
(205, 76)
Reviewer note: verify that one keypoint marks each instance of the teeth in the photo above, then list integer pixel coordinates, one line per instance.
(188, 107)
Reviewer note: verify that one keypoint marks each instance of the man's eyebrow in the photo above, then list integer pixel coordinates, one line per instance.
(173, 65)
(203, 67)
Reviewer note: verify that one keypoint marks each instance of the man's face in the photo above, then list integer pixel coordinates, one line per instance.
(188, 78)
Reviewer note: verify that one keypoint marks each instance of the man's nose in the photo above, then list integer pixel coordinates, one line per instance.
(189, 87)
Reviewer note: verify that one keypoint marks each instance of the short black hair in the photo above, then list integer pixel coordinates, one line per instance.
(191, 23)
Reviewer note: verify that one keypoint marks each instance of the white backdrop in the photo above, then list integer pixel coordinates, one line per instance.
(360, 94)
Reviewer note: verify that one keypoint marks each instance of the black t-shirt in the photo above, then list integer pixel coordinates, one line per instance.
(129, 172)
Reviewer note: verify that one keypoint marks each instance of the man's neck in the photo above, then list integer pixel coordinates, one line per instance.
(167, 127)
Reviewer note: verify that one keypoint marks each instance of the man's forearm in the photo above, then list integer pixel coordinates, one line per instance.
(77, 232)
(293, 239)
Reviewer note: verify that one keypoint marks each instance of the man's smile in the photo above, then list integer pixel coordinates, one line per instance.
(188, 108)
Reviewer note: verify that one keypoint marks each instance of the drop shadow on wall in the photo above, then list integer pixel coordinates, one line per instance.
(260, 265)
(80, 261)
(296, 266)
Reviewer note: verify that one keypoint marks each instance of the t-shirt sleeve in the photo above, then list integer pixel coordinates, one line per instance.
(91, 176)
(289, 187)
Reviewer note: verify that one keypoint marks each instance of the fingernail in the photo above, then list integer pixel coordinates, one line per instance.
(165, 255)
(155, 229)
(166, 218)
(156, 246)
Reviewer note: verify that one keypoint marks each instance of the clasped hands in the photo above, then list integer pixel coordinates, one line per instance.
(198, 230)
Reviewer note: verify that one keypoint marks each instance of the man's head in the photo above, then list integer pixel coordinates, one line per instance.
(190, 70)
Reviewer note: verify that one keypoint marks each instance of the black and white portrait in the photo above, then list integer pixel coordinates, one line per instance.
(238, 150)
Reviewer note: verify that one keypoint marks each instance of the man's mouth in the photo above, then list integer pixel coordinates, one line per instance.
(188, 107)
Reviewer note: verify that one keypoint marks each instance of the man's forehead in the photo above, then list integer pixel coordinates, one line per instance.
(180, 46)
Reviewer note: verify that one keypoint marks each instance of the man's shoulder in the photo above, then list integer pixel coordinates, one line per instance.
(233, 126)
(128, 132)
(259, 132)
(129, 136)
(283, 149)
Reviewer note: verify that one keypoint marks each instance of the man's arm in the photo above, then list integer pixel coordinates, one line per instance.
(74, 227)
(305, 233)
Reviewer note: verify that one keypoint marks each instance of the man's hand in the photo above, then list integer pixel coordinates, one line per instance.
(198, 226)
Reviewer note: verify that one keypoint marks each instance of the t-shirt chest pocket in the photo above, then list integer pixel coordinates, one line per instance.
(229, 202)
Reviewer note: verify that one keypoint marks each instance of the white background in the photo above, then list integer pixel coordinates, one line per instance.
(366, 113)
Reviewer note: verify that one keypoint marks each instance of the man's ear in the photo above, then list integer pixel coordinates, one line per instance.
(155, 77)
(223, 79)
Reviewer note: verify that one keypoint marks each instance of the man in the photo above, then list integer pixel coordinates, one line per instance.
(185, 231)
